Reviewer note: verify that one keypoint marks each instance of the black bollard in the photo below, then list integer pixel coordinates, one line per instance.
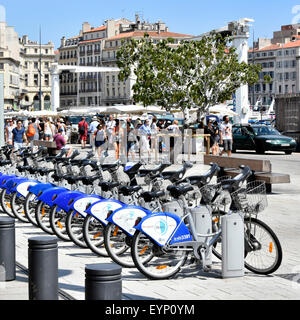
(43, 268)
(7, 249)
(103, 282)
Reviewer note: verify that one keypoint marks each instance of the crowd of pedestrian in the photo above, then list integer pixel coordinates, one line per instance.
(126, 137)
(134, 136)
(19, 133)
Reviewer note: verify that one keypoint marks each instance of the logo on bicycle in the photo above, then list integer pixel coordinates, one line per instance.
(161, 227)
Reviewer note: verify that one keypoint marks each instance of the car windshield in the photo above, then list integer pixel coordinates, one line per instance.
(266, 131)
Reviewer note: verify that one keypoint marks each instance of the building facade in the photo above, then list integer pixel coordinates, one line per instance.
(10, 65)
(280, 61)
(36, 61)
(98, 47)
(20, 60)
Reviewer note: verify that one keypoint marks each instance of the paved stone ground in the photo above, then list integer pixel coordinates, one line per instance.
(282, 216)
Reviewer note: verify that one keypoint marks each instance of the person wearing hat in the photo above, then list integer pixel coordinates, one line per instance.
(92, 130)
(61, 142)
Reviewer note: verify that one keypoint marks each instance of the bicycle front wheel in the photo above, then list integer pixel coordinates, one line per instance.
(29, 208)
(74, 226)
(17, 207)
(93, 233)
(5, 203)
(57, 220)
(117, 245)
(154, 262)
(263, 252)
(42, 214)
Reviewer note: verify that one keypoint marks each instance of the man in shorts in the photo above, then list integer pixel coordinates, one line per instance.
(19, 136)
(83, 132)
(226, 136)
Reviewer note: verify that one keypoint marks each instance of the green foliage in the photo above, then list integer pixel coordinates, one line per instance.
(193, 74)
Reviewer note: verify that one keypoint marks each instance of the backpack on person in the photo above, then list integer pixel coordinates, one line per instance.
(30, 131)
(82, 129)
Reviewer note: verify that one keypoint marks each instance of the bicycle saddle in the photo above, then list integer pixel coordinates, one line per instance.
(204, 179)
(150, 196)
(106, 186)
(235, 183)
(177, 191)
(23, 168)
(89, 180)
(5, 163)
(155, 171)
(128, 190)
(107, 167)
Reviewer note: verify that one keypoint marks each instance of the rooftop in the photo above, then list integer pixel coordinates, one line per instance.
(291, 44)
(152, 34)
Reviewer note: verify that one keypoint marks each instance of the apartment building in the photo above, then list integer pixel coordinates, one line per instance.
(36, 61)
(98, 47)
(281, 62)
(20, 61)
(10, 65)
(67, 55)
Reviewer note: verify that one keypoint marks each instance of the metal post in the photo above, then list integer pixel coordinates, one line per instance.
(43, 268)
(7, 249)
(103, 282)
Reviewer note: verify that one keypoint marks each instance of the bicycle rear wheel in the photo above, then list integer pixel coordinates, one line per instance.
(117, 245)
(93, 233)
(74, 226)
(154, 262)
(57, 220)
(17, 207)
(263, 252)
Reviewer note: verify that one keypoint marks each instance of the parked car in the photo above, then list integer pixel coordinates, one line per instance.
(261, 138)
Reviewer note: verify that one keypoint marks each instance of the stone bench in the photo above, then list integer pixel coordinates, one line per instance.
(51, 146)
(262, 169)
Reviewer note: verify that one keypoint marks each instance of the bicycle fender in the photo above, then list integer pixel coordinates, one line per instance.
(80, 204)
(99, 210)
(125, 218)
(9, 183)
(36, 189)
(4, 179)
(48, 195)
(22, 188)
(163, 227)
(65, 200)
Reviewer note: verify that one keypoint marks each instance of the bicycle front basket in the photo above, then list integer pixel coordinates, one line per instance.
(252, 199)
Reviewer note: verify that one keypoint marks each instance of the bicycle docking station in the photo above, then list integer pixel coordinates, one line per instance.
(202, 219)
(233, 245)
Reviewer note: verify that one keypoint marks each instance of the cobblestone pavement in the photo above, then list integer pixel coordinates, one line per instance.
(282, 216)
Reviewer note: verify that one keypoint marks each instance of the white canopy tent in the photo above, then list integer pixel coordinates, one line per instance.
(135, 109)
(222, 109)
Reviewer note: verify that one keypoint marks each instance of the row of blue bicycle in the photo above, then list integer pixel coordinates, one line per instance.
(144, 218)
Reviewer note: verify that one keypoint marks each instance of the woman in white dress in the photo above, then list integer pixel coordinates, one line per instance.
(8, 132)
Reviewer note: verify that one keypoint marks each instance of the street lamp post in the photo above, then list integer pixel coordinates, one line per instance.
(40, 71)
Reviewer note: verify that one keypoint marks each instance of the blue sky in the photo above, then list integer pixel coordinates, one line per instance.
(64, 17)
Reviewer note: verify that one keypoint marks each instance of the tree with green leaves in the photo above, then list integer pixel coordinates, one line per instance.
(193, 74)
